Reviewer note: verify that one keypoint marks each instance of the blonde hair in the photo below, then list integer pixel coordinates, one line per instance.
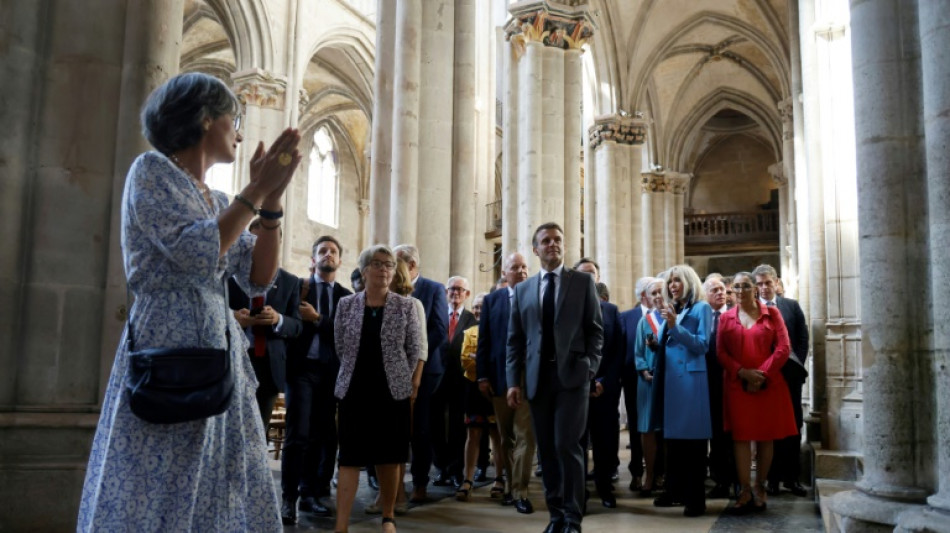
(693, 288)
(401, 284)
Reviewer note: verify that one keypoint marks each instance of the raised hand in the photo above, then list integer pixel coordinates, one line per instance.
(272, 170)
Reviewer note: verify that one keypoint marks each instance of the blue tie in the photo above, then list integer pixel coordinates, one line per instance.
(547, 318)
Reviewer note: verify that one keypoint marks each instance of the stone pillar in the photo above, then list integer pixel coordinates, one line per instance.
(789, 225)
(615, 141)
(546, 38)
(647, 225)
(404, 192)
(777, 171)
(934, 20)
(462, 240)
(436, 128)
(364, 230)
(510, 155)
(658, 221)
(886, 48)
(679, 184)
(73, 75)
(380, 183)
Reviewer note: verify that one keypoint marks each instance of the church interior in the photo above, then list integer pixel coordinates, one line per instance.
(811, 135)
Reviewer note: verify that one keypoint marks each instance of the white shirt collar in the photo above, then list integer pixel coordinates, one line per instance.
(644, 310)
(766, 302)
(459, 311)
(559, 271)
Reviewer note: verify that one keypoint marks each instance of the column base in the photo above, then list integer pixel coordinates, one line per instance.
(857, 512)
(926, 520)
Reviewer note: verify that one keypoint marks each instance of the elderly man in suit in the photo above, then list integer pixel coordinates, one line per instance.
(722, 464)
(555, 335)
(432, 295)
(448, 401)
(310, 446)
(514, 425)
(786, 462)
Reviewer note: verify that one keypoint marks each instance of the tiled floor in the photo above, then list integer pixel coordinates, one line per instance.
(482, 514)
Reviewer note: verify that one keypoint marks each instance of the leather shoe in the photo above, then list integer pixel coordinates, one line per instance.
(796, 488)
(480, 476)
(373, 482)
(773, 489)
(719, 491)
(694, 511)
(537, 472)
(507, 499)
(311, 505)
(554, 526)
(419, 495)
(288, 512)
(442, 480)
(666, 501)
(571, 528)
(609, 501)
(524, 506)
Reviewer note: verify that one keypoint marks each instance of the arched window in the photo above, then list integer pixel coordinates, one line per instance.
(322, 180)
(220, 177)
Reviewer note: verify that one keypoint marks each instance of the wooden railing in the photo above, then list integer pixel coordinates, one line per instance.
(493, 218)
(731, 227)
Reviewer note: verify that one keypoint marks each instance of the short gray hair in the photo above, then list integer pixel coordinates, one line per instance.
(173, 114)
(764, 270)
(367, 255)
(707, 285)
(409, 254)
(457, 278)
(643, 285)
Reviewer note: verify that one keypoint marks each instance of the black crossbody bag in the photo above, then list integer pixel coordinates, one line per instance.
(173, 385)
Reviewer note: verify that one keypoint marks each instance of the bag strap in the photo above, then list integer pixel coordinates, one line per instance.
(128, 320)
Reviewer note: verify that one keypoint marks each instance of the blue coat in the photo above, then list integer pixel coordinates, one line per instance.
(685, 385)
(648, 417)
(432, 295)
(493, 341)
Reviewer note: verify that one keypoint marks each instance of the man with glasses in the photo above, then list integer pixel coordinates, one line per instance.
(786, 463)
(432, 295)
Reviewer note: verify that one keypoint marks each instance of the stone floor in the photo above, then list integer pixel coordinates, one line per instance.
(481, 514)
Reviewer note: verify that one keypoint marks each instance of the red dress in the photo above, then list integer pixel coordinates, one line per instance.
(766, 414)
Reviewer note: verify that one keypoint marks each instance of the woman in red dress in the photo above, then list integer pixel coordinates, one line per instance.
(752, 345)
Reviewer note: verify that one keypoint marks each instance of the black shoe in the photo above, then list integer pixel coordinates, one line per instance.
(554, 526)
(773, 489)
(609, 501)
(524, 506)
(615, 476)
(666, 501)
(537, 473)
(591, 476)
(717, 492)
(698, 510)
(635, 484)
(796, 488)
(288, 512)
(507, 499)
(373, 482)
(442, 480)
(311, 505)
(571, 528)
(480, 476)
(456, 482)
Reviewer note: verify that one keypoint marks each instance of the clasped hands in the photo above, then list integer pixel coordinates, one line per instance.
(754, 378)
(271, 170)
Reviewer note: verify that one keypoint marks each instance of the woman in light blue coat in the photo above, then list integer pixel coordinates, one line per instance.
(646, 351)
(682, 375)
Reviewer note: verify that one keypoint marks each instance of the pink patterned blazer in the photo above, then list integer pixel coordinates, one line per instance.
(399, 336)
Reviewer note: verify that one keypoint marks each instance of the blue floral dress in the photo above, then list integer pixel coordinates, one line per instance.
(205, 475)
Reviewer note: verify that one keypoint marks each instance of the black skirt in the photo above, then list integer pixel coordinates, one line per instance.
(374, 428)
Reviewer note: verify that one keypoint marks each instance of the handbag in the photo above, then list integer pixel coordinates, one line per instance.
(174, 385)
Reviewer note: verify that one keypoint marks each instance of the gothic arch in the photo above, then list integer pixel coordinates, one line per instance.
(248, 27)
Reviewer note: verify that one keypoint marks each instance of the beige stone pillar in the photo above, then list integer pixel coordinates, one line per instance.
(530, 147)
(647, 225)
(380, 183)
(510, 155)
(777, 171)
(572, 139)
(462, 240)
(789, 228)
(404, 192)
(553, 182)
(660, 219)
(679, 184)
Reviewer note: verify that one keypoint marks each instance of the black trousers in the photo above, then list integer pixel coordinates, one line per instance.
(447, 424)
(310, 447)
(603, 431)
(686, 471)
(421, 441)
(786, 459)
(628, 380)
(722, 457)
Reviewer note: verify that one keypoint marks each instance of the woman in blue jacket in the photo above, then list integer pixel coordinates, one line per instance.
(682, 374)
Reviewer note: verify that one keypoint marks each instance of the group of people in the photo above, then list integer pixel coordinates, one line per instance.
(398, 371)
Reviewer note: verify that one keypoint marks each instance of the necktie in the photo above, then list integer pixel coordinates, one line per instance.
(259, 332)
(324, 299)
(716, 321)
(453, 321)
(547, 318)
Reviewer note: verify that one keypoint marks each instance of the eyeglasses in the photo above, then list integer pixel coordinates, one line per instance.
(740, 287)
(382, 265)
(237, 122)
(456, 289)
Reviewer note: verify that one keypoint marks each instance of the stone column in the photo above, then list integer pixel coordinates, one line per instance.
(777, 171)
(364, 230)
(530, 147)
(553, 179)
(380, 183)
(572, 141)
(404, 192)
(789, 227)
(615, 142)
(679, 184)
(647, 225)
(462, 240)
(658, 221)
(436, 128)
(511, 114)
(934, 20)
(886, 48)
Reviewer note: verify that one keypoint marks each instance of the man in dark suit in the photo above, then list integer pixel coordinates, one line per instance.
(432, 295)
(448, 401)
(514, 425)
(786, 461)
(309, 454)
(722, 464)
(603, 419)
(268, 326)
(629, 321)
(555, 336)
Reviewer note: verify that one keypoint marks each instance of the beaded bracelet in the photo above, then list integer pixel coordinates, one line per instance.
(271, 215)
(246, 202)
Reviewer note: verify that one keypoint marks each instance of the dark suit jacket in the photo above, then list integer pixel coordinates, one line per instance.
(578, 332)
(612, 359)
(452, 350)
(629, 321)
(432, 295)
(493, 341)
(324, 329)
(798, 335)
(284, 297)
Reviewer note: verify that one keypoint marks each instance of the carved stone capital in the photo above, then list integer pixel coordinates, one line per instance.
(565, 25)
(259, 88)
(678, 182)
(655, 182)
(777, 171)
(617, 128)
(364, 206)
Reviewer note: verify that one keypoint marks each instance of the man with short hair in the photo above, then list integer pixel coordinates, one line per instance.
(514, 424)
(432, 295)
(603, 419)
(555, 336)
(448, 401)
(722, 465)
(309, 454)
(786, 461)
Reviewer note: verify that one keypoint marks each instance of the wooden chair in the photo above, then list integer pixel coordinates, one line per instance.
(277, 428)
